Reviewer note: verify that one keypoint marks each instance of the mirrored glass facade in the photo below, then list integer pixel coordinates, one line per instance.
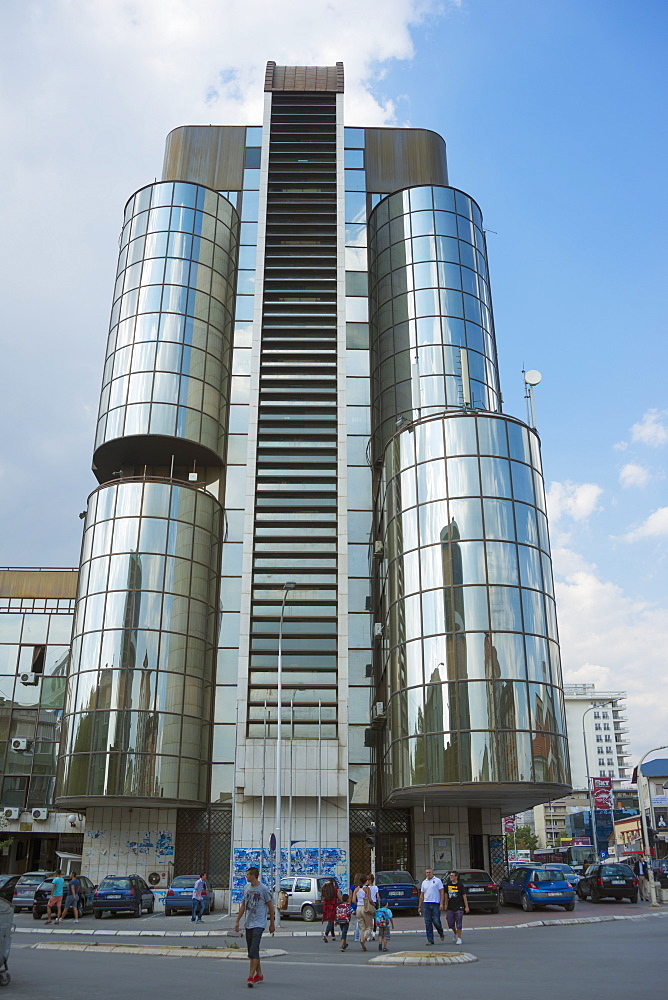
(432, 344)
(168, 361)
(138, 710)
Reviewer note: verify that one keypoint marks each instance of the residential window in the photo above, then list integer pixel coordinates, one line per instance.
(601, 774)
(604, 715)
(599, 739)
(608, 739)
(606, 725)
(611, 774)
(597, 715)
(597, 725)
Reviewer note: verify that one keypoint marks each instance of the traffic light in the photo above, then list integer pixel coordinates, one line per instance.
(651, 837)
(370, 835)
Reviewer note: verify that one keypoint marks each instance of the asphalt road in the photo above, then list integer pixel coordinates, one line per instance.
(610, 960)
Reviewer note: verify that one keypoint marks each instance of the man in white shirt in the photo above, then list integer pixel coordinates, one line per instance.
(374, 892)
(432, 901)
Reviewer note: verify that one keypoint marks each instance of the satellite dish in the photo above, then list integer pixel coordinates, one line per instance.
(532, 377)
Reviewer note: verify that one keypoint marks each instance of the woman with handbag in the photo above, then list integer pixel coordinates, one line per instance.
(330, 897)
(365, 909)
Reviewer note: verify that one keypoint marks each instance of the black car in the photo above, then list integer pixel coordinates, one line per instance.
(608, 880)
(43, 894)
(7, 883)
(480, 889)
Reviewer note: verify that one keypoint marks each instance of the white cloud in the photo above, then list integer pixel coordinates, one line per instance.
(575, 500)
(633, 475)
(654, 526)
(615, 642)
(650, 430)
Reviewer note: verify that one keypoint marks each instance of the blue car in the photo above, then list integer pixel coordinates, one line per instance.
(117, 893)
(180, 896)
(530, 886)
(397, 890)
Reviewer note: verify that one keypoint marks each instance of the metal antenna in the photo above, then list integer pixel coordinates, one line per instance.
(531, 378)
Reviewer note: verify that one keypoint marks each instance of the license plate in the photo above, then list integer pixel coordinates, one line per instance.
(474, 890)
(115, 896)
(618, 881)
(553, 894)
(399, 893)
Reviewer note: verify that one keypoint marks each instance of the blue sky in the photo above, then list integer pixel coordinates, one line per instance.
(554, 116)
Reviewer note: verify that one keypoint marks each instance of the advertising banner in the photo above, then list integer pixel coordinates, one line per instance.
(602, 793)
(509, 824)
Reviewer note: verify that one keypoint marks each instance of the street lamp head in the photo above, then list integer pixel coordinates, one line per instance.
(290, 585)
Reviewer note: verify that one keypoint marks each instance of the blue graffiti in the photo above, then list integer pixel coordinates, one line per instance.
(94, 833)
(164, 847)
(304, 861)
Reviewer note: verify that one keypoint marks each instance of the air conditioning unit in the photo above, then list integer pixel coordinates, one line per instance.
(11, 813)
(29, 678)
(378, 711)
(40, 814)
(377, 629)
(21, 745)
(378, 549)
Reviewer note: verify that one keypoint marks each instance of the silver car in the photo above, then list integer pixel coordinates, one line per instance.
(25, 888)
(301, 895)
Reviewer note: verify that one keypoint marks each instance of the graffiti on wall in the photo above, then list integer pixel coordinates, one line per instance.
(304, 861)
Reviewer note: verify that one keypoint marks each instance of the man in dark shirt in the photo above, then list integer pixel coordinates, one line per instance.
(457, 905)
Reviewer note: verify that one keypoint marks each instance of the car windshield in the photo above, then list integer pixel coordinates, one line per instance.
(184, 882)
(115, 883)
(616, 871)
(394, 878)
(475, 876)
(565, 868)
(548, 875)
(4, 879)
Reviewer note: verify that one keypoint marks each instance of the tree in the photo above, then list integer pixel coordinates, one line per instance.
(524, 838)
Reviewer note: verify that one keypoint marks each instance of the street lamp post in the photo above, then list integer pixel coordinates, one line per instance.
(643, 822)
(592, 812)
(287, 587)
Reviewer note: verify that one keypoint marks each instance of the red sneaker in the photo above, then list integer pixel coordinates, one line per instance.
(258, 978)
(250, 982)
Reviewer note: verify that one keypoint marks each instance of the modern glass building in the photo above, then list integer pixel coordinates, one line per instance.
(301, 387)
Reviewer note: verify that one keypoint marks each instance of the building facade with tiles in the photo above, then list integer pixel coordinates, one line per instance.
(301, 388)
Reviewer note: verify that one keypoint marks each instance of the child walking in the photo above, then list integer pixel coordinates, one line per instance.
(384, 922)
(343, 919)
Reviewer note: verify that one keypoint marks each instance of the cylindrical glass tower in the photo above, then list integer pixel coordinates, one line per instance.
(469, 659)
(138, 708)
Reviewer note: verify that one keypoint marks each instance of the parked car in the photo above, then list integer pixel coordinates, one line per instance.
(116, 893)
(608, 880)
(7, 883)
(302, 896)
(398, 890)
(480, 889)
(180, 895)
(44, 890)
(572, 876)
(24, 890)
(530, 887)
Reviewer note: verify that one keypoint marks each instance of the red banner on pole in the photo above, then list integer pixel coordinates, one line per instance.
(602, 793)
(509, 824)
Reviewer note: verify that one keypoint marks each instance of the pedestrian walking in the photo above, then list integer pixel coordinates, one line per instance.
(641, 871)
(56, 897)
(257, 902)
(430, 904)
(343, 913)
(198, 904)
(384, 922)
(374, 892)
(330, 896)
(364, 909)
(457, 905)
(72, 901)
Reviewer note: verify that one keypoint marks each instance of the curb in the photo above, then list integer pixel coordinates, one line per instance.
(424, 958)
(223, 953)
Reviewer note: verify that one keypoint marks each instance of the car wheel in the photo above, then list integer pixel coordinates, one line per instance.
(527, 905)
(309, 914)
(5, 978)
(634, 898)
(137, 912)
(493, 909)
(151, 908)
(18, 909)
(97, 914)
(595, 898)
(36, 915)
(502, 899)
(80, 909)
(570, 906)
(581, 893)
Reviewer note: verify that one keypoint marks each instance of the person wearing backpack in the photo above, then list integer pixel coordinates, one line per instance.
(384, 922)
(343, 919)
